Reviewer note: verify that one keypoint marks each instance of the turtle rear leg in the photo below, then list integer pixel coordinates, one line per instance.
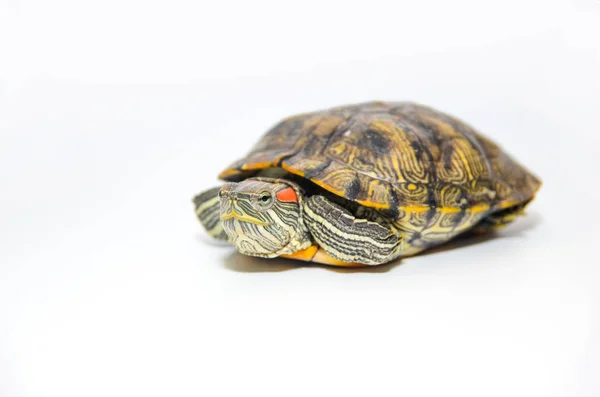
(346, 240)
(500, 219)
(208, 211)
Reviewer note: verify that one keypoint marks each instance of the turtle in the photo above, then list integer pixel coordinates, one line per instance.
(364, 184)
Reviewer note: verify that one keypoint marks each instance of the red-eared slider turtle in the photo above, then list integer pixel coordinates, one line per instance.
(364, 184)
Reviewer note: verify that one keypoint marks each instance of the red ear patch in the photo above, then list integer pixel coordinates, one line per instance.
(287, 195)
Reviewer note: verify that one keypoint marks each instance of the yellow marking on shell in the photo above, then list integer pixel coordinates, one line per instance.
(293, 170)
(411, 187)
(462, 149)
(479, 208)
(323, 125)
(371, 204)
(244, 218)
(256, 166)
(507, 204)
(245, 167)
(449, 210)
(327, 187)
(415, 208)
(445, 128)
(402, 157)
(396, 167)
(227, 173)
(277, 159)
(316, 181)
(444, 210)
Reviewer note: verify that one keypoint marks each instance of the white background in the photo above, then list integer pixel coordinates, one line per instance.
(114, 113)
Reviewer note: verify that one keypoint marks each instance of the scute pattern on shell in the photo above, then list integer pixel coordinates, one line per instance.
(403, 159)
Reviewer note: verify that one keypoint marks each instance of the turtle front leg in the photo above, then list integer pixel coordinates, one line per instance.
(316, 254)
(208, 211)
(348, 239)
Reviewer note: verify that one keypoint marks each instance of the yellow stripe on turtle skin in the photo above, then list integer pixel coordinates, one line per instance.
(243, 218)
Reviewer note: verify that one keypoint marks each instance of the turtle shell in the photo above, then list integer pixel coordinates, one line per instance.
(392, 157)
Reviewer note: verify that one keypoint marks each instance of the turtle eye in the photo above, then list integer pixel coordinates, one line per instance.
(265, 199)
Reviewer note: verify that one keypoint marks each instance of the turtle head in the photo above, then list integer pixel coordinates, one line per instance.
(263, 217)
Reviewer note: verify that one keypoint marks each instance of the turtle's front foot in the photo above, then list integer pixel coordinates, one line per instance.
(349, 239)
(318, 255)
(208, 211)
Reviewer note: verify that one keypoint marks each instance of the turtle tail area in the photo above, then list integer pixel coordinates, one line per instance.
(500, 219)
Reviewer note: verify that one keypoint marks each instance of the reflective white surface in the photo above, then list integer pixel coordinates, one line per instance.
(113, 115)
